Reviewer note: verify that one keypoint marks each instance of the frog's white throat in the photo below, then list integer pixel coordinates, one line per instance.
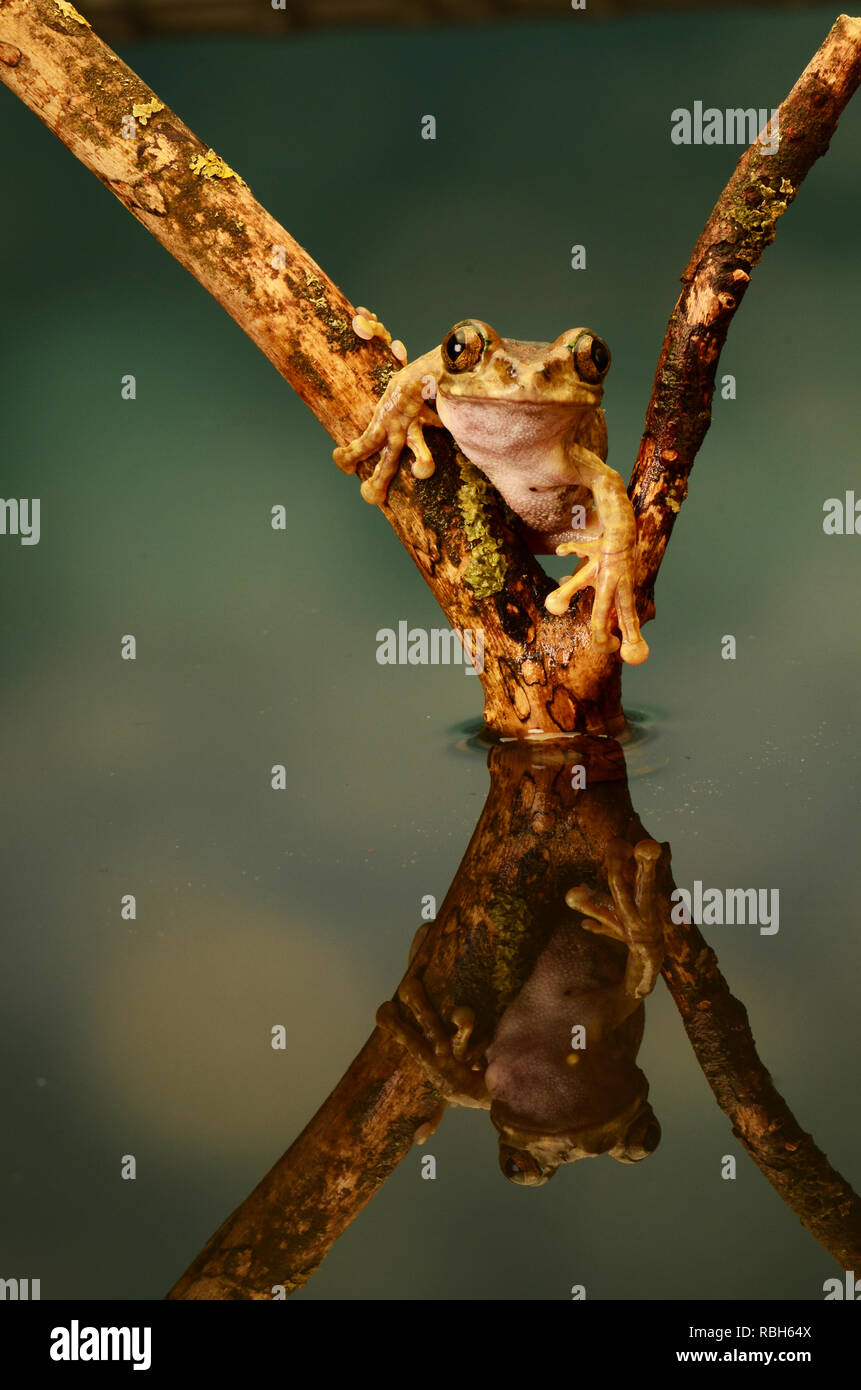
(515, 434)
(524, 449)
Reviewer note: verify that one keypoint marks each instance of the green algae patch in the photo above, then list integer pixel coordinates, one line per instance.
(758, 208)
(512, 918)
(485, 573)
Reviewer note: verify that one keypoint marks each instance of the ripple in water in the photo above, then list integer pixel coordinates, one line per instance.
(640, 741)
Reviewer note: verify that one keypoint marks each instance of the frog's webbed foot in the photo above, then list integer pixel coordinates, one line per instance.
(610, 573)
(401, 416)
(451, 1063)
(631, 912)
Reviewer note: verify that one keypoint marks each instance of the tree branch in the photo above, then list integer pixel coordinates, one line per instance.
(739, 229)
(541, 673)
(280, 297)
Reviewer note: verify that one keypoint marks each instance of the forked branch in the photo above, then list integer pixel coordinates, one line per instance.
(541, 672)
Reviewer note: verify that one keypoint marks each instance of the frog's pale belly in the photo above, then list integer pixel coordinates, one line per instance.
(520, 446)
(575, 981)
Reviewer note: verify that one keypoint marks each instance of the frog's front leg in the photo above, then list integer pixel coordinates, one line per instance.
(609, 563)
(404, 410)
(631, 912)
(452, 1064)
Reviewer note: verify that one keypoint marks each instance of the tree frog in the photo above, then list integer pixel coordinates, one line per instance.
(559, 1076)
(528, 415)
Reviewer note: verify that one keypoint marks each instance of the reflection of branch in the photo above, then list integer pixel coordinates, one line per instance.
(535, 838)
(541, 672)
(718, 273)
(490, 928)
(282, 1231)
(717, 1026)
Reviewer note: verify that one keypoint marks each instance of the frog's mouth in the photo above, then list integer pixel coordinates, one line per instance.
(531, 1156)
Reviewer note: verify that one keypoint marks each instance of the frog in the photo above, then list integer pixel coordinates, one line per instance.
(551, 1102)
(528, 416)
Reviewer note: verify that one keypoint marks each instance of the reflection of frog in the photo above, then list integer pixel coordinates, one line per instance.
(528, 415)
(552, 1105)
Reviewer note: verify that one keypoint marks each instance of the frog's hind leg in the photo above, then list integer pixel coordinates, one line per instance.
(630, 912)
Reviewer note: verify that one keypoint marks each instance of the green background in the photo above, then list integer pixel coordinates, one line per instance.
(258, 647)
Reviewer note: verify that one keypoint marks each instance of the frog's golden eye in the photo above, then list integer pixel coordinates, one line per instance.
(591, 358)
(521, 1167)
(463, 347)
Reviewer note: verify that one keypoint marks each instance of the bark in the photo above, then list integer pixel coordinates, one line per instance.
(541, 673)
(715, 281)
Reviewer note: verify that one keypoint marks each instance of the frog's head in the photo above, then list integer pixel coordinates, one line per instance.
(531, 1159)
(478, 365)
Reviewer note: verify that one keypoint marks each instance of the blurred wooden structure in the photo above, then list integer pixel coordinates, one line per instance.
(140, 19)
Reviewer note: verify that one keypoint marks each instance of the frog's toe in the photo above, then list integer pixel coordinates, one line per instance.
(581, 546)
(634, 649)
(389, 1020)
(423, 463)
(424, 1132)
(374, 491)
(604, 642)
(347, 456)
(634, 653)
(558, 600)
(376, 488)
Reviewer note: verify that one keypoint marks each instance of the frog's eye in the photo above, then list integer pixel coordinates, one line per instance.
(591, 358)
(463, 347)
(520, 1167)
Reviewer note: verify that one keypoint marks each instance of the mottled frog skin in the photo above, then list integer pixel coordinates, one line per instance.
(551, 1104)
(529, 416)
